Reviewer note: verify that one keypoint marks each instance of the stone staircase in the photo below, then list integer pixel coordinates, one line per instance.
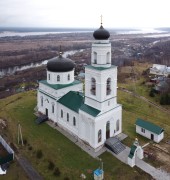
(115, 145)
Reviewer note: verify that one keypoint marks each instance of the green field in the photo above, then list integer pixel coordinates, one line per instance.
(69, 159)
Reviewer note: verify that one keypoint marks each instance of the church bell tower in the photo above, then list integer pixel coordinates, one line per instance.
(101, 75)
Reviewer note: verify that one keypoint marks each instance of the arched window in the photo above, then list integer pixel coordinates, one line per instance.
(117, 125)
(108, 58)
(68, 77)
(61, 113)
(108, 86)
(95, 58)
(99, 135)
(58, 78)
(93, 86)
(52, 108)
(67, 117)
(74, 121)
(41, 101)
(108, 129)
(48, 76)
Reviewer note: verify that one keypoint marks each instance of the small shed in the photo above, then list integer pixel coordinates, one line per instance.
(149, 130)
(98, 174)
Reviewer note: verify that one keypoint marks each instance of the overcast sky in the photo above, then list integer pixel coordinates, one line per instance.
(85, 13)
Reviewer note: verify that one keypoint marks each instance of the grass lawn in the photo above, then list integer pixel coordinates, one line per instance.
(67, 160)
(134, 108)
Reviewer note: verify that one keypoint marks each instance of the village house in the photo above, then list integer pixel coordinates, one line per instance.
(160, 70)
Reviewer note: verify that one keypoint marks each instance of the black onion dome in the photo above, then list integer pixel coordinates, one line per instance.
(60, 64)
(101, 34)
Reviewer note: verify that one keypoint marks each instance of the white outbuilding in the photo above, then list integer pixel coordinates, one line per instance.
(149, 130)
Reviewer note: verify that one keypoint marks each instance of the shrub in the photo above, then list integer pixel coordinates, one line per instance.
(39, 154)
(50, 165)
(151, 94)
(57, 172)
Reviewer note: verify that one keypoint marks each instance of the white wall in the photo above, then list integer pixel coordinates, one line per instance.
(52, 77)
(51, 96)
(68, 126)
(101, 81)
(47, 104)
(60, 92)
(99, 53)
(89, 126)
(147, 134)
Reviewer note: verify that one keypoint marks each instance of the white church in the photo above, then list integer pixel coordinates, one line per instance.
(94, 115)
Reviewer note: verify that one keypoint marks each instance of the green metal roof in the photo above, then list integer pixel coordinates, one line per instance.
(90, 110)
(132, 151)
(75, 101)
(149, 126)
(72, 100)
(59, 86)
(100, 68)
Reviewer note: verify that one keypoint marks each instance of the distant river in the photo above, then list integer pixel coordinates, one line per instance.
(12, 70)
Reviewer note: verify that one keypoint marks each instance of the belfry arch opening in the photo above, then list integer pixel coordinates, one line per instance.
(108, 86)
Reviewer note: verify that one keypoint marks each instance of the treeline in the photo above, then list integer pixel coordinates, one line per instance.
(26, 56)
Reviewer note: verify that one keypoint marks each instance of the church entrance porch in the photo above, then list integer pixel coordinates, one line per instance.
(108, 130)
(115, 145)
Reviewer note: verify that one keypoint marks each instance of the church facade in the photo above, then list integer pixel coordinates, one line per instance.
(94, 115)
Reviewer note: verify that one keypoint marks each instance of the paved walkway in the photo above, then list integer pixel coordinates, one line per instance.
(29, 170)
(78, 142)
(155, 173)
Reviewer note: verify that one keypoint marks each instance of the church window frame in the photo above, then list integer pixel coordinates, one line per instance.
(52, 108)
(142, 130)
(41, 101)
(74, 121)
(108, 86)
(99, 135)
(58, 78)
(93, 86)
(118, 125)
(108, 58)
(95, 57)
(68, 77)
(61, 113)
(67, 117)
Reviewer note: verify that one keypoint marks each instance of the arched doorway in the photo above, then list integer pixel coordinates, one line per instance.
(108, 129)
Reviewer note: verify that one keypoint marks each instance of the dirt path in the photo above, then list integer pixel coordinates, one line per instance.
(145, 99)
(26, 165)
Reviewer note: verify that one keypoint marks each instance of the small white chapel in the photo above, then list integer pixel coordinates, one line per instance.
(94, 115)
